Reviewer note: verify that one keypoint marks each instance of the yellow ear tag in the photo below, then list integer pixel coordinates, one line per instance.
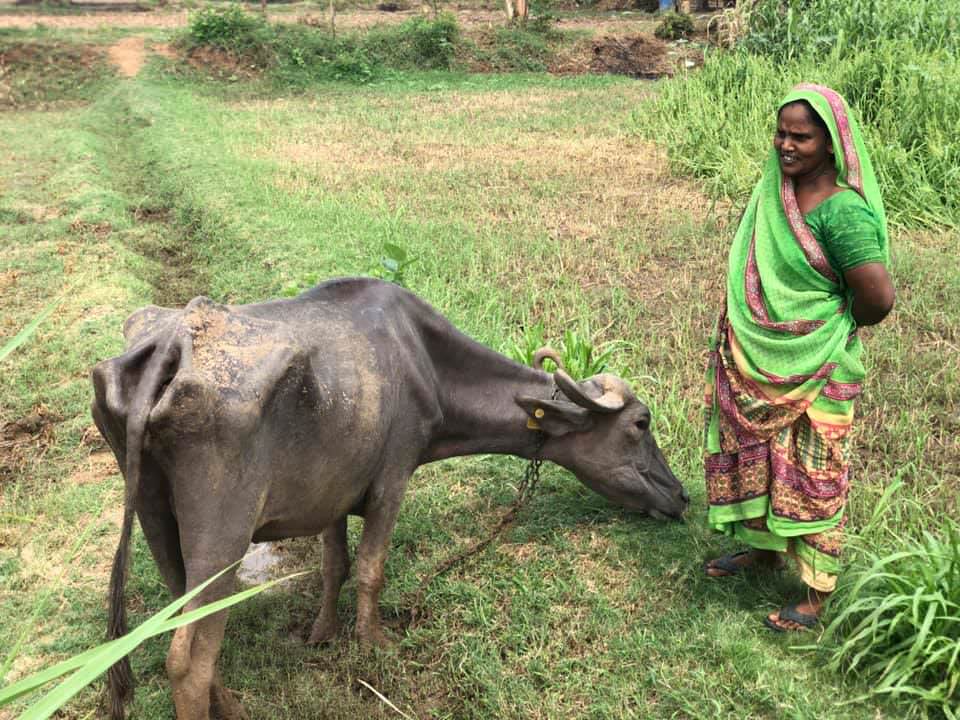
(533, 424)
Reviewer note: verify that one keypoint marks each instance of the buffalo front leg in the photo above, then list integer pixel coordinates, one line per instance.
(380, 517)
(336, 567)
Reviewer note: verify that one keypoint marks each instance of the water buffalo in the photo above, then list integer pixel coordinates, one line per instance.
(234, 424)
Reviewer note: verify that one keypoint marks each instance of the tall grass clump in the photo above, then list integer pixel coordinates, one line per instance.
(899, 627)
(786, 30)
(896, 64)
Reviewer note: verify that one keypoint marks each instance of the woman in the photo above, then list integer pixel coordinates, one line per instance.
(808, 267)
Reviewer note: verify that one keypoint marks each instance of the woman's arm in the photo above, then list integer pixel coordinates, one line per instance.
(873, 293)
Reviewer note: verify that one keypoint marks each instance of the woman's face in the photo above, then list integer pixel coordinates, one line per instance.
(804, 148)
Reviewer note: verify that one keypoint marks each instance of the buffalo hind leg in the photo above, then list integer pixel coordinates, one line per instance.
(379, 519)
(198, 692)
(336, 567)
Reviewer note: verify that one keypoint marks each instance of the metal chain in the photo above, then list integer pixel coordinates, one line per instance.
(528, 483)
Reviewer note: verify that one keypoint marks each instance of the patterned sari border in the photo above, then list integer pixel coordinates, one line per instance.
(808, 243)
(843, 127)
(753, 287)
(824, 372)
(841, 391)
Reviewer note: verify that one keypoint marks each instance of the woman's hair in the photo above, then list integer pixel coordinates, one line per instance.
(814, 115)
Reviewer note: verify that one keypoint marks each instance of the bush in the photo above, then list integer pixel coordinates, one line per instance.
(229, 28)
(516, 48)
(900, 626)
(673, 26)
(418, 43)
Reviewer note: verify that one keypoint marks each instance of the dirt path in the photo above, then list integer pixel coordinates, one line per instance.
(128, 55)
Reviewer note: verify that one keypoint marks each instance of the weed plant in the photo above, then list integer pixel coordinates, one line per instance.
(787, 30)
(896, 64)
(37, 71)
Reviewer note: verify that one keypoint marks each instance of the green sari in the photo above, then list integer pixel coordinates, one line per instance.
(786, 367)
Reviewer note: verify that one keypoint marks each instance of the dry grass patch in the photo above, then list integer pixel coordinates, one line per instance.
(98, 466)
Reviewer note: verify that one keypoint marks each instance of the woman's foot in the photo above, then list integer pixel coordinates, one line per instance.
(738, 562)
(803, 615)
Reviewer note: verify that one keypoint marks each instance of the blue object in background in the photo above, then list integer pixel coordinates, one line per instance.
(666, 5)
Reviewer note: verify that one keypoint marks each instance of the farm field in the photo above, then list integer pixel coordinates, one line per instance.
(531, 204)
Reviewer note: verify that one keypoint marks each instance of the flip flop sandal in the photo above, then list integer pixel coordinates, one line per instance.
(727, 564)
(791, 614)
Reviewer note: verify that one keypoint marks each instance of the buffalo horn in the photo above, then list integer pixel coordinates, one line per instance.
(542, 354)
(611, 400)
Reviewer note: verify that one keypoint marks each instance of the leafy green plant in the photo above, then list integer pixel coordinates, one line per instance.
(294, 288)
(673, 26)
(393, 262)
(522, 349)
(580, 357)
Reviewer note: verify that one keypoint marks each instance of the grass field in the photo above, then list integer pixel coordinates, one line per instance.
(524, 199)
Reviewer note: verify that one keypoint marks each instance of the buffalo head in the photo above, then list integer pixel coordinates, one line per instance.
(600, 431)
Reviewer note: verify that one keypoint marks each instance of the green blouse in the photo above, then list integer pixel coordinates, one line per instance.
(847, 230)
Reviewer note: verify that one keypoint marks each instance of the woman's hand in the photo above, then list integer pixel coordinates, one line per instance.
(873, 292)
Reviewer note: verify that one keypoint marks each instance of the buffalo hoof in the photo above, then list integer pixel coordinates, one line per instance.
(374, 637)
(224, 706)
(323, 632)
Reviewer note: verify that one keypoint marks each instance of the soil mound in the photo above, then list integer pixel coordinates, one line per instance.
(635, 56)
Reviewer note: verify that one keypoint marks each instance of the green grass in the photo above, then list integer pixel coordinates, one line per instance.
(525, 199)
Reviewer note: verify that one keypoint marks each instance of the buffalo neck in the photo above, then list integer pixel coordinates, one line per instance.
(476, 391)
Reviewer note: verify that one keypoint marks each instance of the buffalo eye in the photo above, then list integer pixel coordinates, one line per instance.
(643, 423)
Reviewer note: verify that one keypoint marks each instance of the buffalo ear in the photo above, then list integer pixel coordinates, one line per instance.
(555, 417)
